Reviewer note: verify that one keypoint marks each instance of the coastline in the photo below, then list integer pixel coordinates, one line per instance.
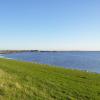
(19, 51)
(39, 81)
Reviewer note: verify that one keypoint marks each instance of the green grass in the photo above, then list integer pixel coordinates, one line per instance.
(27, 81)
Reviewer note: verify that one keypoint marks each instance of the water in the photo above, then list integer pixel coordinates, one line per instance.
(89, 61)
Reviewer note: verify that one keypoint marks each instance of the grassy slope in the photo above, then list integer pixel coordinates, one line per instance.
(27, 81)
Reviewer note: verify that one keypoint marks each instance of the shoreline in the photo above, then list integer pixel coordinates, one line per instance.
(20, 78)
(19, 51)
(66, 68)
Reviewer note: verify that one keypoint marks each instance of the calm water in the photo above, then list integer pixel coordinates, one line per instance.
(78, 60)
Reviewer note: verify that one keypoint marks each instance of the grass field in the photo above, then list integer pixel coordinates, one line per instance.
(27, 81)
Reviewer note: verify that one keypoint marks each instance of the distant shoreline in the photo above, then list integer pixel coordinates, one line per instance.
(18, 51)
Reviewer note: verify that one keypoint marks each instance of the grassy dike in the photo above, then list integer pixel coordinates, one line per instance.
(27, 81)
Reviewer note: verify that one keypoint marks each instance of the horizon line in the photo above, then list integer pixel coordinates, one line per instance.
(41, 50)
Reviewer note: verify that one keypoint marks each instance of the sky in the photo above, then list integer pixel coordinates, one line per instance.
(50, 24)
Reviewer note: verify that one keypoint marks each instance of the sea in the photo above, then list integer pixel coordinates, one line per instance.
(82, 60)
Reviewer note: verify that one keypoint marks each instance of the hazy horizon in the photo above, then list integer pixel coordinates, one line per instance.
(54, 49)
(62, 25)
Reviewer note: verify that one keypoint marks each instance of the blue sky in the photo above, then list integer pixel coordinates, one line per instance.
(50, 24)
